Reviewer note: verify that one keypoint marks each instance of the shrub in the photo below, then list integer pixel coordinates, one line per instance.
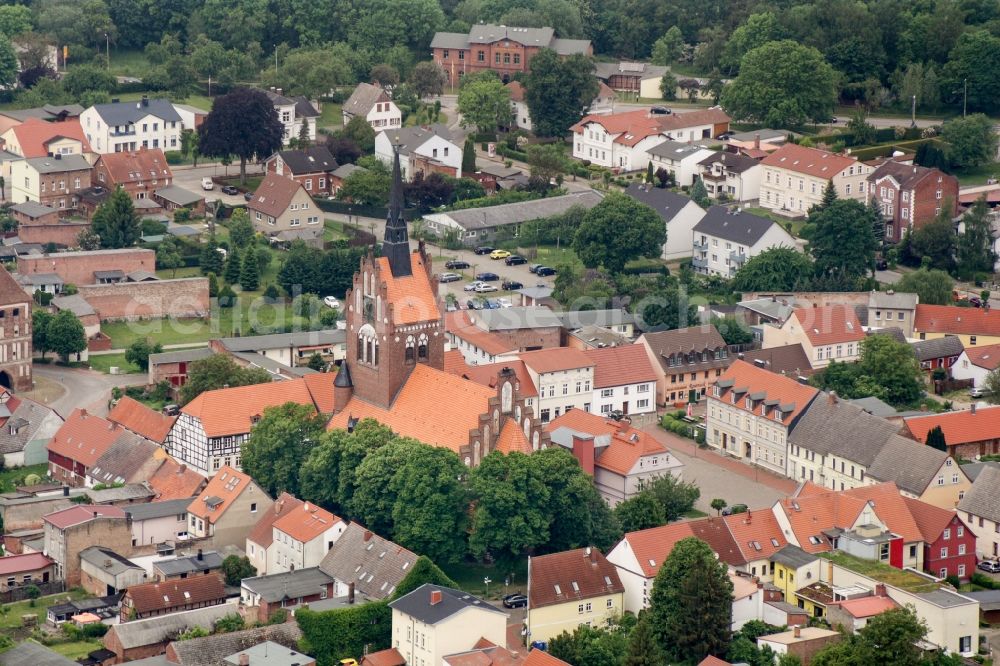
(182, 215)
(174, 157)
(227, 297)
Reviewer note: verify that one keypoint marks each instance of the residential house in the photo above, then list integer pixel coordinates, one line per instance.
(159, 522)
(340, 174)
(788, 360)
(42, 224)
(475, 226)
(433, 621)
(225, 649)
(731, 177)
(281, 204)
(40, 138)
(54, 181)
(503, 49)
(687, 361)
(211, 429)
(78, 444)
(973, 326)
(164, 598)
(825, 333)
(748, 600)
(949, 542)
(681, 160)
(296, 114)
(476, 345)
(173, 480)
(173, 197)
(289, 349)
(263, 596)
(388, 657)
(623, 140)
(968, 433)
(911, 196)
(795, 176)
(266, 653)
(26, 428)
(801, 642)
(794, 569)
(519, 328)
(571, 588)
(888, 309)
(141, 420)
(679, 215)
(855, 614)
(52, 113)
(71, 531)
(725, 239)
(981, 512)
(227, 508)
(751, 411)
(302, 537)
(564, 378)
(366, 563)
(149, 638)
(124, 126)
(192, 117)
(27, 569)
(624, 381)
(104, 572)
(311, 167)
(129, 459)
(423, 150)
(641, 79)
(618, 320)
(976, 363)
(172, 366)
(770, 310)
(937, 354)
(373, 103)
(621, 459)
(139, 172)
(262, 535)
(186, 566)
(482, 652)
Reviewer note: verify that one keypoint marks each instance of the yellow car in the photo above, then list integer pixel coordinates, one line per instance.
(349, 662)
(499, 254)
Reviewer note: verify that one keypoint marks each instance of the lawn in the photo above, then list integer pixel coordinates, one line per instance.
(76, 649)
(470, 577)
(253, 182)
(978, 175)
(554, 257)
(12, 618)
(333, 230)
(883, 572)
(104, 363)
(199, 101)
(8, 476)
(783, 221)
(330, 116)
(129, 63)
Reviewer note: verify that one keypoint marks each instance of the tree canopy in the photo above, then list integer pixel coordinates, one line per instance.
(279, 444)
(558, 91)
(217, 371)
(484, 104)
(244, 123)
(116, 221)
(933, 287)
(618, 230)
(775, 269)
(842, 244)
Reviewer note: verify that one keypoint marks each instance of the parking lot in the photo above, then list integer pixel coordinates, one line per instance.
(483, 264)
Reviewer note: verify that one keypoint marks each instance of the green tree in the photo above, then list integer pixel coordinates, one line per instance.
(558, 91)
(933, 287)
(668, 86)
(842, 245)
(213, 285)
(640, 512)
(892, 365)
(691, 603)
(484, 104)
(732, 330)
(974, 248)
(588, 646)
(889, 638)
(829, 196)
(782, 84)
(368, 187)
(241, 230)
(210, 260)
(719, 504)
(970, 67)
(15, 20)
(699, 194)
(934, 240)
(244, 123)
(88, 240)
(469, 157)
(81, 79)
(231, 622)
(40, 331)
(250, 271)
(279, 445)
(316, 362)
(236, 568)
(991, 387)
(677, 497)
(547, 161)
(863, 131)
(217, 371)
(936, 440)
(759, 29)
(971, 140)
(310, 71)
(234, 265)
(168, 256)
(139, 351)
(643, 650)
(116, 222)
(618, 230)
(65, 335)
(668, 48)
(361, 133)
(427, 78)
(775, 269)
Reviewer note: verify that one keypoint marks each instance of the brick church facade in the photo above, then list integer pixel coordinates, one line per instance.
(15, 335)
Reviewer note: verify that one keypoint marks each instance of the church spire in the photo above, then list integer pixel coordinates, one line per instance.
(396, 244)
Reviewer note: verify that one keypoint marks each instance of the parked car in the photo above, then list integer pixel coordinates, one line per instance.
(975, 392)
(881, 265)
(545, 271)
(515, 601)
(499, 254)
(734, 509)
(975, 301)
(229, 189)
(456, 265)
(472, 285)
(659, 111)
(248, 195)
(207, 184)
(484, 249)
(485, 288)
(487, 277)
(533, 268)
(504, 302)
(449, 277)
(993, 566)
(331, 302)
(515, 260)
(511, 285)
(725, 136)
(474, 304)
(492, 304)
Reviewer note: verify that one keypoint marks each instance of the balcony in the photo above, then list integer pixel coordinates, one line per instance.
(700, 246)
(712, 175)
(737, 259)
(699, 262)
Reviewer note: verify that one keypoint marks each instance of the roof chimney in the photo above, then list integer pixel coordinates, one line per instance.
(350, 592)
(181, 468)
(797, 631)
(756, 141)
(973, 408)
(95, 514)
(748, 519)
(244, 659)
(83, 413)
(435, 597)
(880, 590)
(368, 535)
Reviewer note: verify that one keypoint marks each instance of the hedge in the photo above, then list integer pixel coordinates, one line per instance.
(174, 156)
(504, 151)
(674, 424)
(344, 208)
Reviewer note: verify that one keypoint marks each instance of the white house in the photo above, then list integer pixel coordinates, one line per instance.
(730, 175)
(681, 160)
(158, 522)
(564, 378)
(980, 512)
(624, 380)
(191, 116)
(679, 214)
(825, 333)
(302, 537)
(374, 104)
(975, 363)
(725, 239)
(294, 113)
(421, 149)
(795, 176)
(118, 126)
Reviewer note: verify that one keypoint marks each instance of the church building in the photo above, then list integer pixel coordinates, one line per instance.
(394, 369)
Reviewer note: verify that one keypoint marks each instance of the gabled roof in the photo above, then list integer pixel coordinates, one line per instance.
(213, 650)
(959, 427)
(58, 163)
(737, 226)
(982, 499)
(666, 203)
(363, 98)
(33, 209)
(487, 373)
(986, 357)
(231, 411)
(163, 628)
(84, 437)
(628, 128)
(556, 359)
(124, 460)
(408, 139)
(173, 480)
(287, 585)
(789, 360)
(625, 444)
(910, 465)
(617, 366)
(221, 491)
(34, 135)
(412, 298)
(419, 604)
(792, 556)
(949, 345)
(907, 176)
(785, 395)
(685, 341)
(757, 533)
(830, 324)
(30, 653)
(82, 513)
(518, 212)
(304, 108)
(538, 657)
(857, 436)
(732, 162)
(262, 533)
(931, 520)
(158, 509)
(305, 522)
(185, 565)
(26, 418)
(314, 159)
(15, 564)
(570, 576)
(178, 195)
(137, 166)
(140, 419)
(195, 590)
(459, 323)
(374, 564)
(956, 320)
(274, 195)
(123, 113)
(808, 161)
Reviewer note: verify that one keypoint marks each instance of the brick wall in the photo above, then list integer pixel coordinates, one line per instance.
(78, 267)
(60, 233)
(183, 297)
(15, 344)
(112, 533)
(29, 515)
(813, 299)
(526, 339)
(23, 220)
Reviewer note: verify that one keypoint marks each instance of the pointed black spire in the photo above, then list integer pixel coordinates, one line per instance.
(396, 245)
(343, 379)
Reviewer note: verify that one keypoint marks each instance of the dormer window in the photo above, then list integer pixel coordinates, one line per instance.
(748, 403)
(715, 391)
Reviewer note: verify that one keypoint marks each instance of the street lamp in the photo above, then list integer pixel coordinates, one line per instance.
(487, 581)
(107, 40)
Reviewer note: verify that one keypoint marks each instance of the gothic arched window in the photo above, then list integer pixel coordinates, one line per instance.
(422, 348)
(409, 353)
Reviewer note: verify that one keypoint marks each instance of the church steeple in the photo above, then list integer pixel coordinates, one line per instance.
(396, 244)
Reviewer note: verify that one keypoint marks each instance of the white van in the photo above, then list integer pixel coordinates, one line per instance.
(207, 184)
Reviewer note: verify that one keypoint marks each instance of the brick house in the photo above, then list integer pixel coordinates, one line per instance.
(172, 596)
(15, 329)
(911, 196)
(41, 224)
(104, 572)
(20, 570)
(142, 639)
(685, 360)
(968, 433)
(262, 596)
(172, 366)
(55, 181)
(311, 167)
(82, 268)
(949, 543)
(227, 509)
(78, 444)
(172, 197)
(138, 172)
(282, 204)
(71, 531)
(505, 50)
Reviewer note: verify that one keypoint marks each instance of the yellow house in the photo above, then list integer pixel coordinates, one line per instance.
(794, 568)
(814, 598)
(572, 588)
(973, 326)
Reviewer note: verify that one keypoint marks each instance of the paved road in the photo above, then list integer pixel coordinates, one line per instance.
(84, 388)
(190, 179)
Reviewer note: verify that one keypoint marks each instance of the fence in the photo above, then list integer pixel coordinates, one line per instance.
(942, 386)
(20, 592)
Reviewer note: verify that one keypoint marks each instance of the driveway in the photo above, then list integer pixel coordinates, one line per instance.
(190, 179)
(88, 389)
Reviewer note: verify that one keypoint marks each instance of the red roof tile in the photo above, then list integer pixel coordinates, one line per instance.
(222, 489)
(830, 324)
(140, 419)
(627, 445)
(174, 480)
(34, 135)
(955, 320)
(931, 520)
(986, 357)
(652, 546)
(570, 575)
(274, 194)
(617, 366)
(84, 437)
(262, 533)
(555, 359)
(757, 533)
(959, 427)
(412, 297)
(454, 362)
(542, 658)
(512, 439)
(195, 591)
(634, 126)
(305, 522)
(752, 380)
(82, 513)
(14, 564)
(866, 606)
(389, 657)
(320, 387)
(136, 166)
(809, 161)
(230, 411)
(486, 374)
(458, 324)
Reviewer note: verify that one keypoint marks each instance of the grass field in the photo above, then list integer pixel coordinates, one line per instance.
(129, 63)
(330, 116)
(783, 221)
(12, 618)
(978, 175)
(104, 363)
(76, 649)
(8, 476)
(470, 577)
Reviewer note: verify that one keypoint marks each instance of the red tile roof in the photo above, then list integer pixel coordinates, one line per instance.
(542, 658)
(986, 357)
(14, 564)
(84, 437)
(320, 387)
(34, 135)
(412, 298)
(556, 359)
(652, 546)
(617, 366)
(960, 427)
(866, 606)
(192, 591)
(174, 480)
(82, 513)
(512, 439)
(262, 533)
(955, 320)
(931, 520)
(627, 445)
(757, 533)
(306, 522)
(831, 324)
(571, 575)
(634, 126)
(516, 91)
(140, 419)
(230, 411)
(389, 657)
(486, 374)
(752, 380)
(455, 363)
(458, 324)
(223, 488)
(809, 161)
(144, 165)
(274, 195)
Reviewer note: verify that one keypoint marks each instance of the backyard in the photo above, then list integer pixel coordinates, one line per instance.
(13, 476)
(471, 577)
